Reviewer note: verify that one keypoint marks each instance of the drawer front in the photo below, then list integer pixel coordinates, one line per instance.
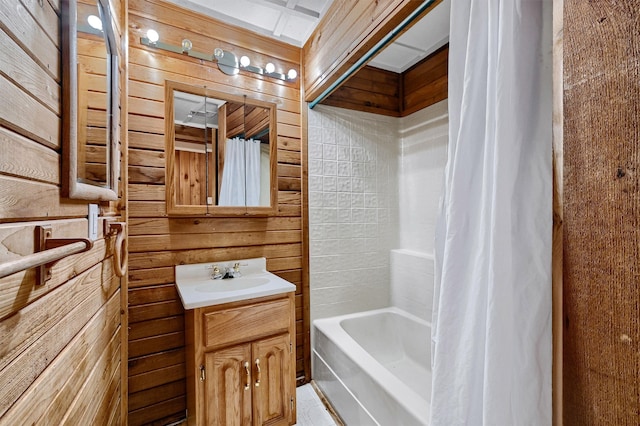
(246, 322)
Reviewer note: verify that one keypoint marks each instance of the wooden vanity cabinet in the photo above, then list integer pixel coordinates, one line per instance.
(241, 363)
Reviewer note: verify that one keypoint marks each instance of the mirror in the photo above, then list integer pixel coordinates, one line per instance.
(221, 153)
(91, 102)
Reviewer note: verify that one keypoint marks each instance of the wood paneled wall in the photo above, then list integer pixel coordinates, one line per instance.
(397, 95)
(348, 30)
(158, 242)
(370, 90)
(425, 83)
(601, 194)
(60, 356)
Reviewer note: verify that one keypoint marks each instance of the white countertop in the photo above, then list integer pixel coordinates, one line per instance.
(197, 289)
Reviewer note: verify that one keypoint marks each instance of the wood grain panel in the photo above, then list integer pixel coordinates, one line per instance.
(425, 83)
(102, 326)
(370, 90)
(185, 19)
(156, 327)
(154, 311)
(25, 72)
(15, 295)
(600, 208)
(196, 71)
(146, 192)
(164, 259)
(397, 95)
(159, 226)
(346, 33)
(31, 38)
(289, 144)
(146, 277)
(88, 404)
(43, 165)
(153, 396)
(159, 242)
(27, 116)
(156, 345)
(146, 140)
(62, 341)
(139, 364)
(156, 378)
(166, 412)
(46, 312)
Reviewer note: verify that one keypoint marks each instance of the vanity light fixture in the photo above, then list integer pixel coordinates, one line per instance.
(95, 22)
(153, 36)
(227, 61)
(186, 45)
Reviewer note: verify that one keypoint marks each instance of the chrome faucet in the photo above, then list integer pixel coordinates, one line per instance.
(229, 272)
(215, 273)
(232, 272)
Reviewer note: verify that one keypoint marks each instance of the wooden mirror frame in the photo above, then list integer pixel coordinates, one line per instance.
(72, 187)
(213, 210)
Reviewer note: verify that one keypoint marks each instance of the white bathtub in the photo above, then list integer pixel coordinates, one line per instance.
(374, 366)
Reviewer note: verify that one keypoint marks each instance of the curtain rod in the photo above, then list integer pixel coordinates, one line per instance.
(372, 52)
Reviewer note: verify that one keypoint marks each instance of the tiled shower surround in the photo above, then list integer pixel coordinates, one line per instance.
(361, 187)
(352, 209)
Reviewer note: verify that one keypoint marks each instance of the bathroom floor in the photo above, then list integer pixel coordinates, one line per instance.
(311, 410)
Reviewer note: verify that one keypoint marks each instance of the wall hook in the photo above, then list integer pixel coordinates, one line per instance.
(121, 248)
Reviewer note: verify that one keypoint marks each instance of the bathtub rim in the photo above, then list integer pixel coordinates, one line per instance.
(332, 329)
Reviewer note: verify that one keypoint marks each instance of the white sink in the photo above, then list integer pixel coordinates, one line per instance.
(197, 289)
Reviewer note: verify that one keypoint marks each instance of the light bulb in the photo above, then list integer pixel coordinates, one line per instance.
(245, 61)
(292, 74)
(95, 22)
(186, 45)
(270, 68)
(153, 36)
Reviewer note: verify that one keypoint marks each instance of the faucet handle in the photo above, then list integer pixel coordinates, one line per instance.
(236, 270)
(215, 273)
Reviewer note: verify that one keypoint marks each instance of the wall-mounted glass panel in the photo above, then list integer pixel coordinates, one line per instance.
(221, 153)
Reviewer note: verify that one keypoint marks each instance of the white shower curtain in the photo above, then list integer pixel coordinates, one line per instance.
(241, 173)
(491, 335)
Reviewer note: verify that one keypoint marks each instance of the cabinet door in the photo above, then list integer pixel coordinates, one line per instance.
(228, 386)
(273, 383)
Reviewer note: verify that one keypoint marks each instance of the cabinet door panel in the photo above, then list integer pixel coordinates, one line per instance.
(246, 323)
(272, 396)
(227, 398)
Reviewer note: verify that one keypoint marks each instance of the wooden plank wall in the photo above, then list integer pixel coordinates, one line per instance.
(348, 30)
(61, 342)
(601, 279)
(370, 90)
(396, 95)
(425, 83)
(157, 242)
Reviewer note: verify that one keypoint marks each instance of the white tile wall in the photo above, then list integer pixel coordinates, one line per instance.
(353, 172)
(412, 282)
(374, 185)
(424, 136)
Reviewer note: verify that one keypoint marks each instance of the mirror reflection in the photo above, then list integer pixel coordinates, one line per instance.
(222, 152)
(91, 101)
(93, 133)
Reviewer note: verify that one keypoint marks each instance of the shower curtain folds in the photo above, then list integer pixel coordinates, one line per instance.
(491, 331)
(241, 173)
